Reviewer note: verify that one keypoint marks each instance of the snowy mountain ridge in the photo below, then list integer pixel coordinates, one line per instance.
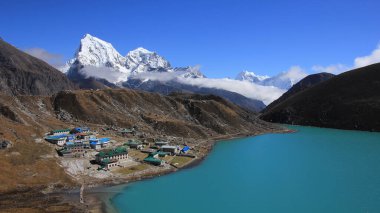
(99, 59)
(142, 60)
(284, 80)
(251, 77)
(97, 64)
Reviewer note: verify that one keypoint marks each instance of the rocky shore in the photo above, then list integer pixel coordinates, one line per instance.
(97, 196)
(65, 198)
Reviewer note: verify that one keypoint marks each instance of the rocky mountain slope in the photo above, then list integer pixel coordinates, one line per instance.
(22, 74)
(25, 119)
(350, 100)
(305, 83)
(178, 114)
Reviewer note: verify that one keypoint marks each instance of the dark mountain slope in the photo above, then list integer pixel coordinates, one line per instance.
(350, 100)
(173, 86)
(22, 74)
(307, 82)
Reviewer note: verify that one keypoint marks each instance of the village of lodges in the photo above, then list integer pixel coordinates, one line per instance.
(82, 142)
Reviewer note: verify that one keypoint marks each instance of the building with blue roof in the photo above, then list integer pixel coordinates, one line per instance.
(104, 140)
(80, 130)
(60, 140)
(185, 149)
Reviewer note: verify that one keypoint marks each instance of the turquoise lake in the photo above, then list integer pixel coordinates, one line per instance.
(312, 170)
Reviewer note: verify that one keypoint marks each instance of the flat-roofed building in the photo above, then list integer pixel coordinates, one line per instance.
(60, 131)
(170, 149)
(59, 140)
(153, 161)
(108, 164)
(119, 153)
(134, 144)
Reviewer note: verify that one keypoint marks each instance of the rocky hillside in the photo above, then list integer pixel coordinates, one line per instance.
(189, 115)
(25, 119)
(22, 74)
(305, 83)
(350, 100)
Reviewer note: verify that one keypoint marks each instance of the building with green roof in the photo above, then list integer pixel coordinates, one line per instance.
(134, 144)
(107, 164)
(60, 131)
(126, 132)
(60, 140)
(163, 154)
(119, 153)
(158, 154)
(153, 161)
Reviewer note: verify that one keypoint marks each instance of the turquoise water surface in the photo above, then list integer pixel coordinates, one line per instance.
(313, 170)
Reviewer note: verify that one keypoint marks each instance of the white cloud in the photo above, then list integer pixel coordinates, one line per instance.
(267, 94)
(156, 76)
(196, 68)
(334, 69)
(56, 60)
(110, 74)
(286, 79)
(374, 57)
(362, 61)
(295, 73)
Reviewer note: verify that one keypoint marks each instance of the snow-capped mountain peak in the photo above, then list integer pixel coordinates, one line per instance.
(251, 77)
(189, 72)
(142, 60)
(99, 59)
(283, 80)
(96, 52)
(141, 50)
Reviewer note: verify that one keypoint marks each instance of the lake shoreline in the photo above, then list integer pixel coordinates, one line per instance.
(97, 193)
(102, 202)
(321, 167)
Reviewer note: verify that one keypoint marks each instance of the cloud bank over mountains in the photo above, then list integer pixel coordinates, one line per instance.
(99, 59)
(250, 90)
(267, 94)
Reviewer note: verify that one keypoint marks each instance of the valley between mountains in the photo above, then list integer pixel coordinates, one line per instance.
(142, 93)
(35, 99)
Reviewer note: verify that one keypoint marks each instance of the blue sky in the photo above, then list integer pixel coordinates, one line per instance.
(223, 36)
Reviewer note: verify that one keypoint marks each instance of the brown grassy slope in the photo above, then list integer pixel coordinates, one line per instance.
(28, 163)
(179, 115)
(24, 119)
